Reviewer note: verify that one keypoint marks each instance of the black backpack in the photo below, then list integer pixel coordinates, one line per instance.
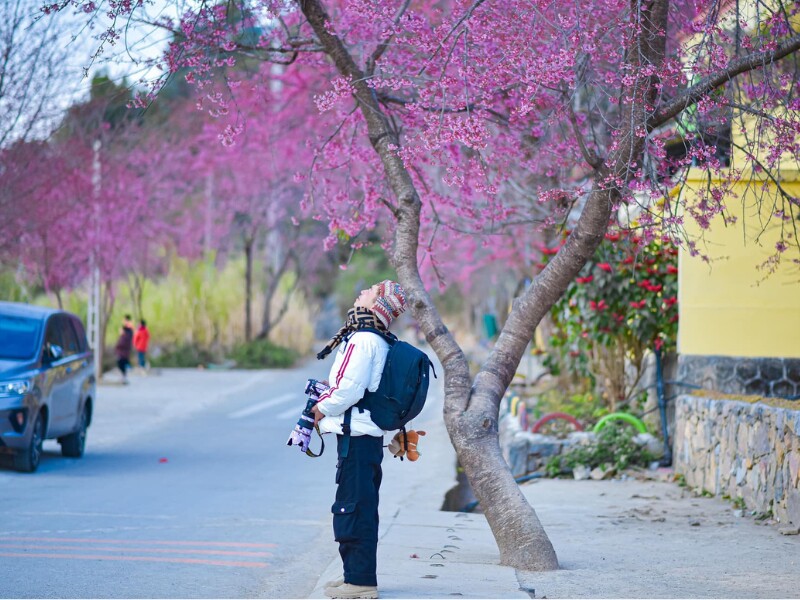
(403, 389)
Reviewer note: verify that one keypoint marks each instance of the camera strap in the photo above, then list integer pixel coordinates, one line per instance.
(322, 448)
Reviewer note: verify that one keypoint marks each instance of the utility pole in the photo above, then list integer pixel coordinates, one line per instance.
(94, 306)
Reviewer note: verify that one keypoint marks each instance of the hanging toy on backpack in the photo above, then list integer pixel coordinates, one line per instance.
(404, 443)
(301, 435)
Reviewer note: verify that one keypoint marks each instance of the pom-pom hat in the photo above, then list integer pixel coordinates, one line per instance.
(390, 303)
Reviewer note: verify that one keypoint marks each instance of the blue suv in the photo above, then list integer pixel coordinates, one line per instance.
(47, 383)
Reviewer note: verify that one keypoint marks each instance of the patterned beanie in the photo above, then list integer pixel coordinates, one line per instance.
(390, 303)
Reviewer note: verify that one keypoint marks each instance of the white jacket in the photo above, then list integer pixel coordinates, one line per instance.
(357, 368)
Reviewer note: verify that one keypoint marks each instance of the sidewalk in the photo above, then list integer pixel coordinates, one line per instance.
(614, 539)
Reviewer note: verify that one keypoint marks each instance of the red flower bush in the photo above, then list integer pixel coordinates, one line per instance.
(623, 304)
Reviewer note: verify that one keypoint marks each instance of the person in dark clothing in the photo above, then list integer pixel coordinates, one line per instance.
(124, 347)
(357, 368)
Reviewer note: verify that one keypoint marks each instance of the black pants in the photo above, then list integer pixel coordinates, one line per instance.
(355, 512)
(123, 364)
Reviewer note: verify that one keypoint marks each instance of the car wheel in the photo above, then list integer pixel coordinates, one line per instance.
(72, 445)
(27, 460)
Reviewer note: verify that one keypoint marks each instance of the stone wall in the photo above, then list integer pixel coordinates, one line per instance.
(742, 450)
(770, 377)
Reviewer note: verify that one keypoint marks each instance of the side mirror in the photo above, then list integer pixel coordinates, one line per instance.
(56, 352)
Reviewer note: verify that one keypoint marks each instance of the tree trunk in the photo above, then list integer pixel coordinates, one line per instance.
(105, 308)
(273, 282)
(248, 289)
(136, 285)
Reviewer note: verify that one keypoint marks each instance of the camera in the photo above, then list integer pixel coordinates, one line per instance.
(301, 435)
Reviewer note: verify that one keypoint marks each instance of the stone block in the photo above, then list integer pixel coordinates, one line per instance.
(579, 438)
(793, 370)
(793, 507)
(778, 484)
(723, 371)
(516, 454)
(782, 389)
(741, 474)
(742, 442)
(760, 442)
(746, 370)
(598, 474)
(793, 461)
(757, 387)
(546, 447)
(581, 472)
(771, 369)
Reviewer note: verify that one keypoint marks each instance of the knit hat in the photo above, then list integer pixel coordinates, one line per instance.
(390, 303)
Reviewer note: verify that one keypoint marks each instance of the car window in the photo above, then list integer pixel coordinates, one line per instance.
(52, 336)
(80, 332)
(68, 336)
(18, 337)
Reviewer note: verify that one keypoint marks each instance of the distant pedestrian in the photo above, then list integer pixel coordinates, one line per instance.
(124, 347)
(140, 341)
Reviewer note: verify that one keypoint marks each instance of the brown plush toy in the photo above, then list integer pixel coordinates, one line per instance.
(405, 445)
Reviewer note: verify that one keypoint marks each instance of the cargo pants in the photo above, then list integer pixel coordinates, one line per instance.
(355, 511)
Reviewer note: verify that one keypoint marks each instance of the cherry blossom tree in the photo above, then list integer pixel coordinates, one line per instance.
(44, 186)
(472, 117)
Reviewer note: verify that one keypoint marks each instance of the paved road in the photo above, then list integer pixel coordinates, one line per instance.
(187, 490)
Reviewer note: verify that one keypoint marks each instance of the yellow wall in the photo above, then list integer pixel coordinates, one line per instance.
(727, 308)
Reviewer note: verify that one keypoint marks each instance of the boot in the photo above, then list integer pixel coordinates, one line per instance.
(334, 583)
(348, 590)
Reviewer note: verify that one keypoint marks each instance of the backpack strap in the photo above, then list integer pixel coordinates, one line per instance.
(344, 449)
(388, 337)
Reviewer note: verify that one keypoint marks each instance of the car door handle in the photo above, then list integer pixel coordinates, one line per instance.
(69, 369)
(84, 363)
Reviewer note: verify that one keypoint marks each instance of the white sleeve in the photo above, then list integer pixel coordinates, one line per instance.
(352, 378)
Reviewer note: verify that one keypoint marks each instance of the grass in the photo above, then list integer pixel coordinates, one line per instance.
(195, 313)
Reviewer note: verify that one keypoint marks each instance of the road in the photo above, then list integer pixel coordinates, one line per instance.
(187, 489)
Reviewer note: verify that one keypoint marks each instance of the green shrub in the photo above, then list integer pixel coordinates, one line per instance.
(262, 354)
(614, 446)
(182, 356)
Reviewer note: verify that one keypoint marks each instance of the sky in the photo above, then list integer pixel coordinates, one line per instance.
(50, 78)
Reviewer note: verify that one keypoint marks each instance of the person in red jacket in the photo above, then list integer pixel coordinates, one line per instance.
(140, 341)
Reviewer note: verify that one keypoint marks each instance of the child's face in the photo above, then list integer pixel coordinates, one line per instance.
(367, 297)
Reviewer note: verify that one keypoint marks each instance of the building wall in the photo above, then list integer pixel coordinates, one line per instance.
(728, 306)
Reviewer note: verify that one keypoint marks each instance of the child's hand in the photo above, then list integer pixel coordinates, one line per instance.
(318, 416)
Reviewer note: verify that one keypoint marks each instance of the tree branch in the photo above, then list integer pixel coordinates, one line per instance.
(376, 56)
(589, 155)
(736, 67)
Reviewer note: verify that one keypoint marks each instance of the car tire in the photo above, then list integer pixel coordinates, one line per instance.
(72, 445)
(27, 460)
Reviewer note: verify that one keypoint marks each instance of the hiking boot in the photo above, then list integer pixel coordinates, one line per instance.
(348, 590)
(334, 583)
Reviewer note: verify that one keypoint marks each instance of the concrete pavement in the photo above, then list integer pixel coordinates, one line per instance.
(614, 539)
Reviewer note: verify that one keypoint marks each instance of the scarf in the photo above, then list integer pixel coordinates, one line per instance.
(357, 318)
